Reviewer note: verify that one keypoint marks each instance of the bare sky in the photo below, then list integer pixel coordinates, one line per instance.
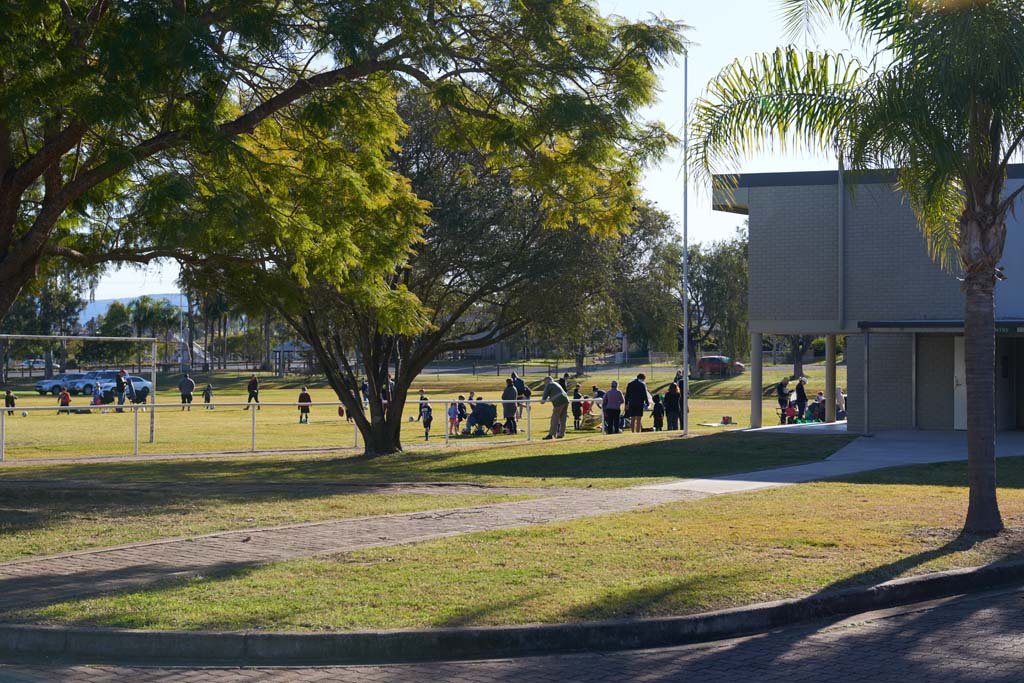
(722, 30)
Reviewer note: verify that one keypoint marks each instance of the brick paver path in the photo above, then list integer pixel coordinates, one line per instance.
(37, 581)
(977, 639)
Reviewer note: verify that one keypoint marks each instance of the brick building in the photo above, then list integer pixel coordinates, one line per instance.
(838, 254)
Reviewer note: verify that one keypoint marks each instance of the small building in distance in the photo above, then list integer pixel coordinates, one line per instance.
(841, 254)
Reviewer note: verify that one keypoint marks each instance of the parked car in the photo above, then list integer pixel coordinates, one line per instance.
(33, 363)
(85, 384)
(142, 387)
(52, 386)
(714, 366)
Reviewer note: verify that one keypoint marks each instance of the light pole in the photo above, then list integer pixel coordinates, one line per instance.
(686, 244)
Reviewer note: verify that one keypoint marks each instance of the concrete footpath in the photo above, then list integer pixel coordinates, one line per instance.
(886, 449)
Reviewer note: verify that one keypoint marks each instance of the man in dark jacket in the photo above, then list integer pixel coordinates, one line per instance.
(254, 392)
(636, 401)
(782, 394)
(186, 387)
(508, 406)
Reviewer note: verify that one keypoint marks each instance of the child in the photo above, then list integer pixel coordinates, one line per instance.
(586, 405)
(9, 401)
(208, 397)
(462, 410)
(453, 419)
(304, 400)
(658, 412)
(64, 400)
(97, 396)
(427, 415)
(577, 408)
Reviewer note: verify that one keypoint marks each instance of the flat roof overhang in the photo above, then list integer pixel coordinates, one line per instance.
(1011, 326)
(729, 192)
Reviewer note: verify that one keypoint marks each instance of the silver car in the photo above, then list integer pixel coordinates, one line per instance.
(53, 385)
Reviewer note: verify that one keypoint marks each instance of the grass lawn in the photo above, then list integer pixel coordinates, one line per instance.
(228, 428)
(595, 460)
(34, 522)
(674, 559)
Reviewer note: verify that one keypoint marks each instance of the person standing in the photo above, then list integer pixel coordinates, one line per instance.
(658, 413)
(577, 407)
(840, 404)
(254, 392)
(304, 400)
(426, 416)
(119, 389)
(673, 406)
(208, 397)
(186, 387)
(422, 398)
(636, 401)
(554, 392)
(612, 404)
(509, 406)
(64, 400)
(782, 394)
(522, 394)
(453, 419)
(563, 382)
(801, 398)
(9, 400)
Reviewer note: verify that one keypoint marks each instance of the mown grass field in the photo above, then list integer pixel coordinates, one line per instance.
(673, 559)
(229, 428)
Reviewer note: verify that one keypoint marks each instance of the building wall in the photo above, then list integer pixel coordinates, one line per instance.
(1010, 293)
(889, 274)
(794, 260)
(793, 253)
(935, 382)
(890, 382)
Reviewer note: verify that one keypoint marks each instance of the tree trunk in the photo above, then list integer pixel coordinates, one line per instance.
(580, 358)
(979, 355)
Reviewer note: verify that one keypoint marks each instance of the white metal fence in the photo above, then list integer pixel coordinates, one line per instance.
(440, 417)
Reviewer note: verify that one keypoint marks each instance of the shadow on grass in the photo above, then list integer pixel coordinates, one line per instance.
(953, 474)
(716, 454)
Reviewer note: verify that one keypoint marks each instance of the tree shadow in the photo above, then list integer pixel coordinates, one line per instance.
(715, 454)
(951, 473)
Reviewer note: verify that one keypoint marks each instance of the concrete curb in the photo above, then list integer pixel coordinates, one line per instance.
(364, 647)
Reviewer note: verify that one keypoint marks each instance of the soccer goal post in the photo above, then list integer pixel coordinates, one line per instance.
(65, 338)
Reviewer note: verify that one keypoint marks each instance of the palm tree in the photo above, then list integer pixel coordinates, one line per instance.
(942, 103)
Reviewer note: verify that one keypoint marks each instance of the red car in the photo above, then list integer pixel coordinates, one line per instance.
(717, 366)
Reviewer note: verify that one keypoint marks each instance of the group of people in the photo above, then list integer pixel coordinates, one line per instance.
(794, 405)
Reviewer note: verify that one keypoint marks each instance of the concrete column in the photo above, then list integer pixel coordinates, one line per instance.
(830, 378)
(756, 380)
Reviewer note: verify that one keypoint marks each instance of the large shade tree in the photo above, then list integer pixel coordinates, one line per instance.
(942, 103)
(100, 99)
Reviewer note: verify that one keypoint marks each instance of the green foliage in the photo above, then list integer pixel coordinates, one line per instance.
(718, 295)
(108, 110)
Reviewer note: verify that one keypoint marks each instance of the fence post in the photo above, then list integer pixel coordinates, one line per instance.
(447, 427)
(135, 420)
(152, 394)
(3, 434)
(529, 422)
(252, 441)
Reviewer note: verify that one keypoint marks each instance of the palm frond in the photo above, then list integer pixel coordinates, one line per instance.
(785, 99)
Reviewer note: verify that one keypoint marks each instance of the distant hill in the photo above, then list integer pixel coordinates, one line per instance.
(100, 306)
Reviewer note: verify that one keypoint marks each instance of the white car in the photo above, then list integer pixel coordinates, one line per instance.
(34, 363)
(141, 386)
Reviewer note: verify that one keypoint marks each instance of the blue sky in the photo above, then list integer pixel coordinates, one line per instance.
(722, 30)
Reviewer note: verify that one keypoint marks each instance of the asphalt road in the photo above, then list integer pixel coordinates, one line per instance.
(975, 638)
